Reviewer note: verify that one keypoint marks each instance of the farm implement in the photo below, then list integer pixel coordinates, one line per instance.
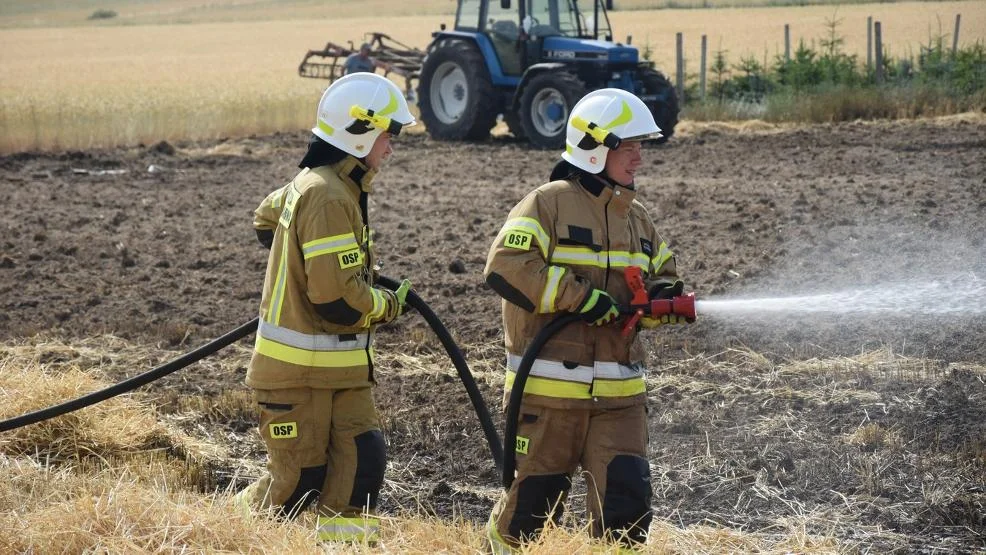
(395, 56)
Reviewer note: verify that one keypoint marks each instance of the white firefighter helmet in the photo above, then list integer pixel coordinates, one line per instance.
(357, 108)
(600, 122)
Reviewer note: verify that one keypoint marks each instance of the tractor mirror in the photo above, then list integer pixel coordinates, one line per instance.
(505, 4)
(609, 5)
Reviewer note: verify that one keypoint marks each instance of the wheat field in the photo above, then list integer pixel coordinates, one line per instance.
(31, 13)
(96, 85)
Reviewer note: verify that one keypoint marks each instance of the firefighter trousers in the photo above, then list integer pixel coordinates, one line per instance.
(611, 447)
(323, 444)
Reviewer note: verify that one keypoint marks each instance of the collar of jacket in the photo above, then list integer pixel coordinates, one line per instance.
(320, 153)
(354, 172)
(605, 191)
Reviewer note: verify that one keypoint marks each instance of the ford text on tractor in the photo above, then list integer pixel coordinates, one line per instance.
(531, 61)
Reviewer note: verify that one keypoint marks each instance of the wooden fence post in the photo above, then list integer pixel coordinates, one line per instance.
(879, 51)
(680, 65)
(787, 43)
(955, 39)
(701, 78)
(869, 43)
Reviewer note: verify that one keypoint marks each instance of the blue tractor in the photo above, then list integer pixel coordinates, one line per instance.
(531, 61)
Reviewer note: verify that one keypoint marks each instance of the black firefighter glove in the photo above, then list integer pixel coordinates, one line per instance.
(598, 308)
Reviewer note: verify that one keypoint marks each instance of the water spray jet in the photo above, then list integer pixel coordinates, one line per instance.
(950, 296)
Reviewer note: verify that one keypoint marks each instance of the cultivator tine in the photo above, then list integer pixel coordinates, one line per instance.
(329, 62)
(403, 59)
(326, 63)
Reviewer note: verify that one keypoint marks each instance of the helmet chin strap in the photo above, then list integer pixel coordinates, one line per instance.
(601, 176)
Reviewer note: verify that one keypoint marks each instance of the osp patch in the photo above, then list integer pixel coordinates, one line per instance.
(350, 258)
(523, 444)
(283, 430)
(519, 240)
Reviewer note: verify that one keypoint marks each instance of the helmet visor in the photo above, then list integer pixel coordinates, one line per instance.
(645, 137)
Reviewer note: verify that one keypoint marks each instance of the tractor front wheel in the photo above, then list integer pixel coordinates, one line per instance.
(455, 93)
(545, 104)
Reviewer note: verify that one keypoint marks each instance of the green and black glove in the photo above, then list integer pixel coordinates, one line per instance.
(401, 294)
(598, 308)
(395, 302)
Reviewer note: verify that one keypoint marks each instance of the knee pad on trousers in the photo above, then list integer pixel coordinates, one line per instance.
(309, 487)
(371, 461)
(536, 497)
(626, 504)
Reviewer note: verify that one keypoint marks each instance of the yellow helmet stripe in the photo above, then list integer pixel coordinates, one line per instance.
(326, 128)
(391, 106)
(625, 116)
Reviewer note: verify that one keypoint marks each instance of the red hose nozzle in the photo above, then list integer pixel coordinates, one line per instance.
(640, 307)
(682, 305)
(685, 306)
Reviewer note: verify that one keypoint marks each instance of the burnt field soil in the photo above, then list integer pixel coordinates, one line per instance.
(869, 430)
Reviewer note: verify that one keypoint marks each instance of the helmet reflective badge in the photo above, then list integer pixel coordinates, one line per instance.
(600, 122)
(357, 108)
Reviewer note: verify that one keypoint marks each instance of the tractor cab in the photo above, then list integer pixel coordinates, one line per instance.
(525, 32)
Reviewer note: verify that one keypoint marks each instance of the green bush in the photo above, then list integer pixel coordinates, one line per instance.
(807, 69)
(965, 71)
(826, 84)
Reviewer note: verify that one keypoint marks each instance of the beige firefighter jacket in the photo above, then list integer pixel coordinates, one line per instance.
(321, 255)
(558, 243)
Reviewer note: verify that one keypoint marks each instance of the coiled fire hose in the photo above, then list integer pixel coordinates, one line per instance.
(415, 301)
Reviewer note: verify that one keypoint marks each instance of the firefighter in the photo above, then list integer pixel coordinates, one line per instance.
(564, 248)
(312, 365)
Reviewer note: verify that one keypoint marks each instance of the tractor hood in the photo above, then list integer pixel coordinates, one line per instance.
(571, 49)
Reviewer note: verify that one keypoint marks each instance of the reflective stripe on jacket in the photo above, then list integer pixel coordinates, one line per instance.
(320, 254)
(558, 243)
(359, 530)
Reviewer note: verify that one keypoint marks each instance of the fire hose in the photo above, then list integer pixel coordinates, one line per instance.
(131, 383)
(504, 459)
(640, 306)
(489, 429)
(415, 301)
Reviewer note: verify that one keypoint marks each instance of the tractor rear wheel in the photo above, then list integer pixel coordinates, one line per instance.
(545, 104)
(662, 100)
(455, 93)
